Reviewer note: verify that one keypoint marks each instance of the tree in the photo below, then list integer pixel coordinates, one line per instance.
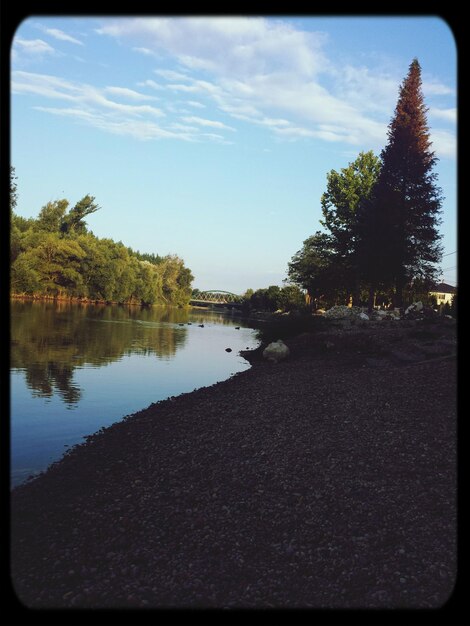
(314, 268)
(51, 216)
(13, 189)
(399, 236)
(73, 221)
(346, 190)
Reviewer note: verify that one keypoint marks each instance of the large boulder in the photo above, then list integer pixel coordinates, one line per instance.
(276, 351)
(416, 307)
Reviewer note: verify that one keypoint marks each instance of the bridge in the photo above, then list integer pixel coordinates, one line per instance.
(216, 297)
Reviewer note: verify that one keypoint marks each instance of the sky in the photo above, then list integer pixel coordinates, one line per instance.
(211, 137)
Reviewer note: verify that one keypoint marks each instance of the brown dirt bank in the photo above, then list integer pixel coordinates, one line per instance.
(328, 480)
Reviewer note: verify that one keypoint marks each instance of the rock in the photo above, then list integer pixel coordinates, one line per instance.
(228, 349)
(363, 316)
(276, 351)
(416, 307)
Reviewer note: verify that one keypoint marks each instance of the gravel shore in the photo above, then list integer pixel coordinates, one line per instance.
(327, 480)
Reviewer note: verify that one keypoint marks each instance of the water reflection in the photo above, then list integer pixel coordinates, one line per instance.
(49, 341)
(77, 368)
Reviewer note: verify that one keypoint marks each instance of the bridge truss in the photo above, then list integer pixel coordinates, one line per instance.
(216, 296)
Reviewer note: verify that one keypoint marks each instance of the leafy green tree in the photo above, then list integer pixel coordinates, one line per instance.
(400, 240)
(52, 215)
(292, 298)
(24, 279)
(13, 189)
(314, 268)
(74, 220)
(57, 262)
(345, 192)
(176, 281)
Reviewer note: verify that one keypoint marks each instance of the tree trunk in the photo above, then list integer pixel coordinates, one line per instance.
(398, 295)
(355, 298)
(371, 301)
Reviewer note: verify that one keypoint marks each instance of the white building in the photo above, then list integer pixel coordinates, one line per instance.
(443, 293)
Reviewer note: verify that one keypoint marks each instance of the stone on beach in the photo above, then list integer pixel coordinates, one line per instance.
(276, 351)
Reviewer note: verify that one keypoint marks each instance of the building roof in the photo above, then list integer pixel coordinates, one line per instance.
(443, 288)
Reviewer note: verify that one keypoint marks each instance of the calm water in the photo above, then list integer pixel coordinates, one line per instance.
(76, 368)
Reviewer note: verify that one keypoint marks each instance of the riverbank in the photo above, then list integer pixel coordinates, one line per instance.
(326, 480)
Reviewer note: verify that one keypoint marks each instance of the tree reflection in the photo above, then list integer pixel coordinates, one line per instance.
(49, 340)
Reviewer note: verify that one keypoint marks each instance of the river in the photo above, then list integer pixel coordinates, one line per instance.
(76, 368)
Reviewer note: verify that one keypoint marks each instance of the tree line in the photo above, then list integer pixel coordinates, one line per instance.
(380, 239)
(55, 255)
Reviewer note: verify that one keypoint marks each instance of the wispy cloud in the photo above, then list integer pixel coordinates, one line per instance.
(203, 122)
(271, 69)
(97, 107)
(59, 34)
(448, 115)
(444, 143)
(171, 75)
(128, 93)
(36, 47)
(271, 74)
(85, 94)
(195, 104)
(433, 87)
(150, 83)
(138, 129)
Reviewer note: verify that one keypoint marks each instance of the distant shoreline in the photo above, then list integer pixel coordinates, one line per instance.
(77, 300)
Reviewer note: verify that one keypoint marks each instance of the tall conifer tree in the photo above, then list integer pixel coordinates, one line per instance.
(400, 236)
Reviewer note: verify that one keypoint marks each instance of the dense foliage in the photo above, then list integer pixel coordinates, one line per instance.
(55, 255)
(274, 298)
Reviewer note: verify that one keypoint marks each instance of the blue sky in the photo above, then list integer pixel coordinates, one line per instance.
(210, 137)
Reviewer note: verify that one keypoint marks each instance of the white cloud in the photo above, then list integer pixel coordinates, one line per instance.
(128, 93)
(171, 75)
(59, 34)
(203, 122)
(145, 51)
(195, 104)
(36, 47)
(150, 83)
(91, 105)
(449, 115)
(249, 44)
(57, 88)
(138, 129)
(436, 88)
(444, 144)
(259, 69)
